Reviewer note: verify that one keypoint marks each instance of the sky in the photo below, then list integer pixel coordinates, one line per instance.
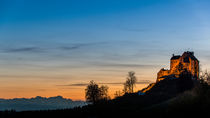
(55, 47)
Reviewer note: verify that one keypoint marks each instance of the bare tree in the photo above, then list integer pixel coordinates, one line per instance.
(127, 86)
(205, 76)
(94, 93)
(130, 82)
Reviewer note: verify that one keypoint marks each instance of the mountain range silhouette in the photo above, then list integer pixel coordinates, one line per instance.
(39, 103)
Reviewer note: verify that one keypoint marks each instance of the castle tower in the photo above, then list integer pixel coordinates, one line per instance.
(190, 63)
(175, 59)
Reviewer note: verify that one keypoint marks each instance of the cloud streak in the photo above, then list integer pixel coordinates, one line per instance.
(122, 65)
(33, 49)
(105, 83)
(24, 49)
(80, 45)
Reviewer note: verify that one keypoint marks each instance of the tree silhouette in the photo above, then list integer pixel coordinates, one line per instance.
(205, 76)
(130, 82)
(118, 94)
(94, 93)
(104, 92)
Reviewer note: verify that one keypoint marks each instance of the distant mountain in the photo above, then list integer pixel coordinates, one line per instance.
(39, 103)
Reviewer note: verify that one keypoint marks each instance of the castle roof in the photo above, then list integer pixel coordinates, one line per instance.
(193, 57)
(190, 54)
(185, 54)
(175, 57)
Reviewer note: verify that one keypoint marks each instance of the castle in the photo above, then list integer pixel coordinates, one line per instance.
(178, 65)
(187, 62)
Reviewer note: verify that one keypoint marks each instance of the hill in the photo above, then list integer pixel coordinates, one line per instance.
(167, 98)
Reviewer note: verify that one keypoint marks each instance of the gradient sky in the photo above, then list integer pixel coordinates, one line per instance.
(55, 47)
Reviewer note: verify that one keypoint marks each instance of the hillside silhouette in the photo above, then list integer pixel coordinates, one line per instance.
(167, 98)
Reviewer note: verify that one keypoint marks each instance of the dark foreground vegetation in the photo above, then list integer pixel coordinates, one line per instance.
(182, 97)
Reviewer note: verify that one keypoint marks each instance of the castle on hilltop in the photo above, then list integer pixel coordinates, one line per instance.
(187, 63)
(178, 64)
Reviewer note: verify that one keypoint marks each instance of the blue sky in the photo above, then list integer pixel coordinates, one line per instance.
(58, 42)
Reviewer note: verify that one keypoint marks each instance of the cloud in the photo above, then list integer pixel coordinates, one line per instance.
(69, 47)
(106, 83)
(117, 83)
(122, 65)
(29, 77)
(130, 65)
(80, 45)
(72, 46)
(39, 49)
(24, 49)
(77, 84)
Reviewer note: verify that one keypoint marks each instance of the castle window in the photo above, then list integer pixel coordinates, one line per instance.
(186, 60)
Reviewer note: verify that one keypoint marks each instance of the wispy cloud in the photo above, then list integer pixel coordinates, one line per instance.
(80, 45)
(69, 47)
(117, 83)
(39, 49)
(76, 84)
(105, 64)
(24, 49)
(106, 83)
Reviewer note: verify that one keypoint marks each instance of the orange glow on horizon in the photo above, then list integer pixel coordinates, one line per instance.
(75, 93)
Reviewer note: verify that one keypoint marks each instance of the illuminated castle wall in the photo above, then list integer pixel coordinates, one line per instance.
(178, 64)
